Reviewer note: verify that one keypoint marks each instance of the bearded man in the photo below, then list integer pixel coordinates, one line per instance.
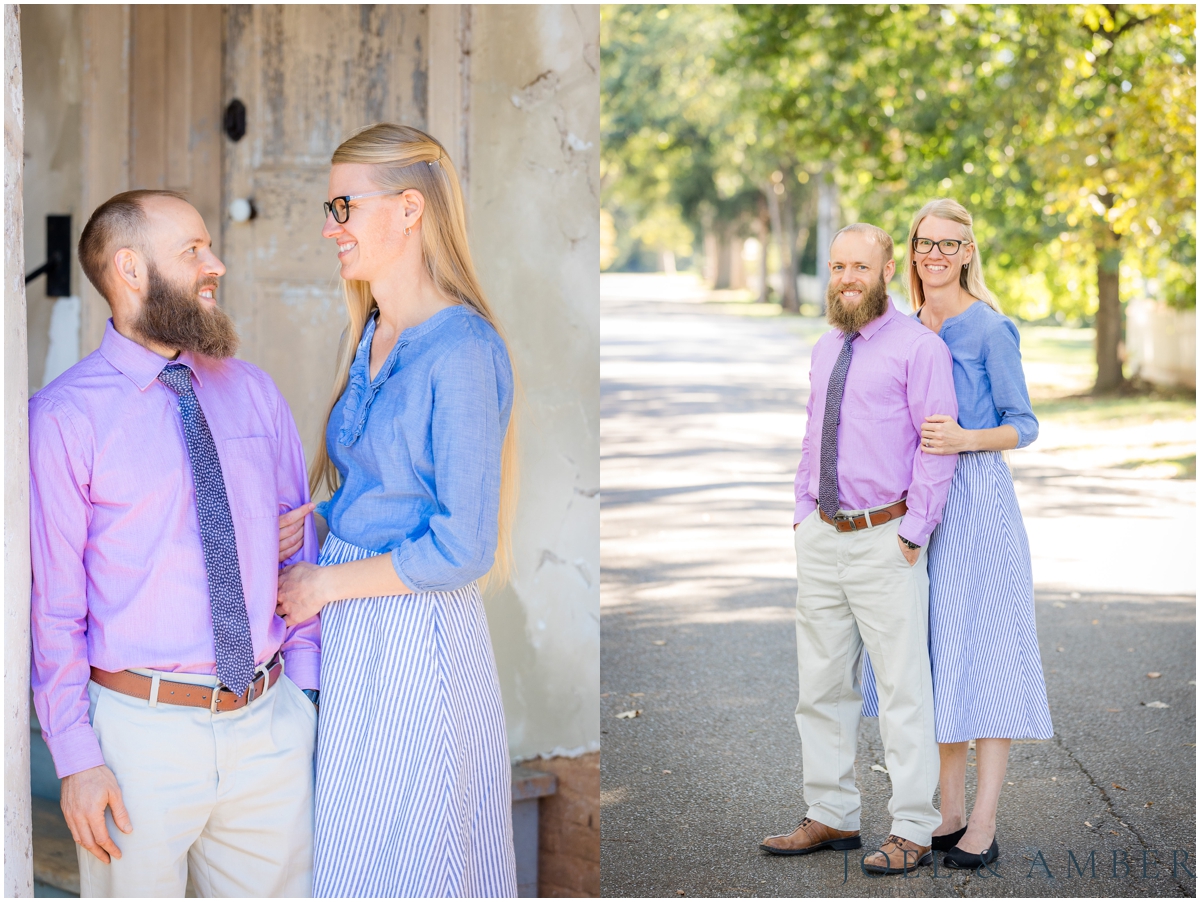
(159, 468)
(866, 503)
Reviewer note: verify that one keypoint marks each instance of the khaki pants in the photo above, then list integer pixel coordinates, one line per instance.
(226, 797)
(856, 589)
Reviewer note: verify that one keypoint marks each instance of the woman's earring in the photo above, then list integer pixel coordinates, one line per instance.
(408, 231)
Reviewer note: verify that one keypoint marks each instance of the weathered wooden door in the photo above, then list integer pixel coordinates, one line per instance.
(308, 77)
(175, 103)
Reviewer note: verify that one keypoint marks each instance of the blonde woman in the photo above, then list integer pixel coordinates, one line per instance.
(987, 671)
(413, 786)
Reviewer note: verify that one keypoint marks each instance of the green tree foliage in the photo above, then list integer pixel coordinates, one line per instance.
(665, 125)
(1069, 131)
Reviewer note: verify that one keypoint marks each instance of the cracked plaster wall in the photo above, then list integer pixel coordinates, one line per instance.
(535, 165)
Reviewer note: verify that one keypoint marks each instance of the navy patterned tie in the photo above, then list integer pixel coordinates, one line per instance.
(827, 496)
(231, 626)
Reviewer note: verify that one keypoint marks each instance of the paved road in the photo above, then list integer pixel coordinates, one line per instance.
(702, 420)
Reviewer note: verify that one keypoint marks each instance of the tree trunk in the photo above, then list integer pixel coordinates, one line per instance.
(788, 262)
(763, 224)
(711, 250)
(827, 211)
(1109, 327)
(722, 278)
(777, 228)
(805, 214)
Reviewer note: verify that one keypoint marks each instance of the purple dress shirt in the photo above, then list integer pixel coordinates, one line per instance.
(900, 372)
(118, 567)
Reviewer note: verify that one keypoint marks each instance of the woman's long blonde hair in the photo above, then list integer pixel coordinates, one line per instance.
(970, 277)
(406, 157)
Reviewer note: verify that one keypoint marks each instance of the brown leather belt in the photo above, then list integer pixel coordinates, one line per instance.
(878, 518)
(192, 695)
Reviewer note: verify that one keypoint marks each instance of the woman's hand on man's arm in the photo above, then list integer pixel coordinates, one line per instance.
(306, 588)
(941, 434)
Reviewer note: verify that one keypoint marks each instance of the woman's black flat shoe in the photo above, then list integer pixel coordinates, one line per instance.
(957, 859)
(948, 841)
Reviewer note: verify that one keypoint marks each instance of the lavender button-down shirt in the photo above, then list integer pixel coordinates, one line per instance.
(900, 373)
(118, 567)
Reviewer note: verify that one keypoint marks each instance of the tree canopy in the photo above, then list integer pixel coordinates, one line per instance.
(1068, 131)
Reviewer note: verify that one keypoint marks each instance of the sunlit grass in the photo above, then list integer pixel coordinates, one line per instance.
(1170, 468)
(1116, 411)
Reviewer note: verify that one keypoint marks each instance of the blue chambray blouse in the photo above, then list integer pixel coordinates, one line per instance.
(418, 450)
(988, 378)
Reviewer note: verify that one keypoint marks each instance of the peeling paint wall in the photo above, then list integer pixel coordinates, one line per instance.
(18, 848)
(534, 222)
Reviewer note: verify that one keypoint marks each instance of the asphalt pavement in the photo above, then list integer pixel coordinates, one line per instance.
(702, 417)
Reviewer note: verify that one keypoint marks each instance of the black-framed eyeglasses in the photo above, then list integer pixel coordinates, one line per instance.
(340, 206)
(948, 246)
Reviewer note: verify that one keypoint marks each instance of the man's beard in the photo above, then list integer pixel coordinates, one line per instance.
(872, 305)
(175, 316)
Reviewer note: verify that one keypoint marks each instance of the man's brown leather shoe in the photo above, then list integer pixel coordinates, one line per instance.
(811, 836)
(897, 856)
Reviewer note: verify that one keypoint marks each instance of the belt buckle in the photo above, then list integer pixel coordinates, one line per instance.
(842, 518)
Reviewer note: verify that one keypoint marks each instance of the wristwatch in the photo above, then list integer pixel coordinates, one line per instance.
(913, 545)
(314, 695)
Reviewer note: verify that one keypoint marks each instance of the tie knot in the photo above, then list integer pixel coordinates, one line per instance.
(176, 377)
(850, 336)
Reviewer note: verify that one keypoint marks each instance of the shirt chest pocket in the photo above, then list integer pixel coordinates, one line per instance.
(248, 465)
(873, 397)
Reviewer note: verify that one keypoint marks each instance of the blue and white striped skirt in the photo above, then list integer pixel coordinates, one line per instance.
(983, 649)
(414, 786)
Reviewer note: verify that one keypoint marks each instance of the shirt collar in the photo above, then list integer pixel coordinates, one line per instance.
(880, 321)
(138, 363)
(193, 362)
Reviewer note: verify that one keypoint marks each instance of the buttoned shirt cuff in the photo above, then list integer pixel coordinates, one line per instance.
(915, 529)
(74, 750)
(303, 668)
(804, 507)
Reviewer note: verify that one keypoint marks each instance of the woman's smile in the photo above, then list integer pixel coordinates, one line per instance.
(934, 271)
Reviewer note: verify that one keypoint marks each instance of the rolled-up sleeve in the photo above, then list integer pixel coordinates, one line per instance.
(467, 429)
(301, 646)
(930, 391)
(1007, 377)
(59, 513)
